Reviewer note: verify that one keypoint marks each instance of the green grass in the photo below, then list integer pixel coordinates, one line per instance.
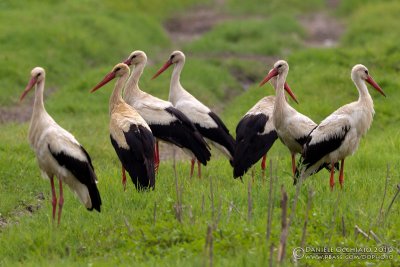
(78, 44)
(262, 8)
(277, 35)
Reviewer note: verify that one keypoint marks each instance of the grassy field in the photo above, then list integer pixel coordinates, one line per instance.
(77, 44)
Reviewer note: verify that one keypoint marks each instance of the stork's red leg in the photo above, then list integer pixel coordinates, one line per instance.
(192, 167)
(199, 169)
(264, 158)
(53, 197)
(156, 157)
(332, 180)
(123, 177)
(341, 178)
(294, 163)
(60, 201)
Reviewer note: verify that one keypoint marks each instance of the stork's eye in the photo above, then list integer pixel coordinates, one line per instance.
(172, 56)
(366, 72)
(133, 56)
(117, 69)
(38, 74)
(280, 65)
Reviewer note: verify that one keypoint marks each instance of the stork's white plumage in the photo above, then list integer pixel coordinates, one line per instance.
(207, 122)
(338, 136)
(255, 134)
(166, 122)
(58, 153)
(130, 135)
(291, 126)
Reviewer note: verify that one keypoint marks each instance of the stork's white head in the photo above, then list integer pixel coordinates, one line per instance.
(38, 74)
(360, 72)
(136, 57)
(119, 70)
(281, 66)
(175, 57)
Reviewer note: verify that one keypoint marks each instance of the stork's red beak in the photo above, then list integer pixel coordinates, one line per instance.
(289, 91)
(30, 85)
(163, 68)
(128, 62)
(271, 74)
(375, 85)
(105, 80)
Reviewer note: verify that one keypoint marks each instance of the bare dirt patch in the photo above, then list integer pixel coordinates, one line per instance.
(245, 79)
(322, 29)
(193, 23)
(16, 113)
(3, 222)
(21, 112)
(332, 3)
(22, 209)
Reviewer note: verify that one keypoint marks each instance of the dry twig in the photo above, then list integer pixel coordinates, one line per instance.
(309, 201)
(358, 230)
(270, 203)
(285, 226)
(249, 202)
(384, 195)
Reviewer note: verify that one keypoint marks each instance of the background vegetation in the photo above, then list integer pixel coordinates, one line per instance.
(77, 42)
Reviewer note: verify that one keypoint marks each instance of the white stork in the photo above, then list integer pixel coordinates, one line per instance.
(207, 122)
(255, 134)
(166, 122)
(338, 136)
(291, 126)
(130, 135)
(59, 154)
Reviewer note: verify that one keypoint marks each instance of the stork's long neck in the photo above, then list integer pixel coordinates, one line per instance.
(280, 100)
(175, 87)
(132, 86)
(116, 96)
(38, 120)
(364, 96)
(38, 106)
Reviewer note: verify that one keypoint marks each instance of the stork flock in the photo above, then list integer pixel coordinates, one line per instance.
(138, 121)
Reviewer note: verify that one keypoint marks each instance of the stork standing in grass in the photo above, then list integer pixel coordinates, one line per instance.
(339, 135)
(255, 134)
(166, 122)
(130, 135)
(291, 126)
(207, 122)
(59, 154)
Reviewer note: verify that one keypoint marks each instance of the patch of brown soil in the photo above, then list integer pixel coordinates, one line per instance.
(3, 222)
(245, 79)
(17, 113)
(322, 29)
(22, 209)
(192, 24)
(332, 3)
(22, 111)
